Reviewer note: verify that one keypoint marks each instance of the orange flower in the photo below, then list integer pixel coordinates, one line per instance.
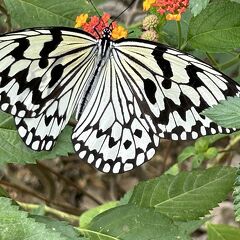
(176, 17)
(96, 25)
(147, 4)
(119, 32)
(81, 20)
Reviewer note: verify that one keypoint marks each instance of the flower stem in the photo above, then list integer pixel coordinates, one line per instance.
(179, 34)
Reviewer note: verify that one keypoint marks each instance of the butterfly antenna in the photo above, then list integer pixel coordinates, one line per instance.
(130, 5)
(91, 2)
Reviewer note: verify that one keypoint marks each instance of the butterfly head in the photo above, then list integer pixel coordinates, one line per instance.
(107, 32)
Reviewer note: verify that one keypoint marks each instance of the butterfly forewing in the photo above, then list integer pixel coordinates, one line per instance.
(42, 83)
(176, 87)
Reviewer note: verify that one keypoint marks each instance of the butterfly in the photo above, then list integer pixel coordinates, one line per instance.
(126, 94)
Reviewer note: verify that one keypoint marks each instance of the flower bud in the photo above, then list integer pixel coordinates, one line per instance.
(150, 35)
(150, 22)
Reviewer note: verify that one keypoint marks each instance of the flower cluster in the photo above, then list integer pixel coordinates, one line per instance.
(172, 8)
(96, 25)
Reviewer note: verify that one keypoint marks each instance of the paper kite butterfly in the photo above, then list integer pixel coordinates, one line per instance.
(126, 94)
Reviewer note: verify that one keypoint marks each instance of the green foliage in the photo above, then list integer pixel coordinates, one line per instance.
(87, 216)
(197, 6)
(199, 152)
(16, 224)
(217, 28)
(132, 222)
(222, 232)
(175, 196)
(61, 227)
(28, 13)
(236, 196)
(226, 113)
(13, 150)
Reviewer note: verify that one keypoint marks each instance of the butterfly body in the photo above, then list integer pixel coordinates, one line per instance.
(127, 94)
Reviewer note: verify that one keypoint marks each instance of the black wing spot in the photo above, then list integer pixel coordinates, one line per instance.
(150, 90)
(112, 143)
(167, 83)
(18, 52)
(56, 74)
(138, 133)
(50, 47)
(127, 144)
(162, 63)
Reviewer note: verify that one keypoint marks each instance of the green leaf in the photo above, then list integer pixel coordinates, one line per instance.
(221, 31)
(190, 226)
(87, 216)
(186, 196)
(15, 225)
(236, 196)
(197, 6)
(197, 160)
(226, 113)
(130, 222)
(13, 150)
(186, 153)
(29, 13)
(59, 226)
(222, 232)
(125, 199)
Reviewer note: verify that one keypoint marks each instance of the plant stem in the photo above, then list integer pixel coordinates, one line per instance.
(40, 196)
(65, 216)
(230, 63)
(69, 182)
(179, 34)
(212, 60)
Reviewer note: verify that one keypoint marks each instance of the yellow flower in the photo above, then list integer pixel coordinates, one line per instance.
(81, 20)
(176, 17)
(147, 4)
(119, 32)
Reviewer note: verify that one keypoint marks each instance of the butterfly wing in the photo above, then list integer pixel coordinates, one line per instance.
(42, 75)
(112, 134)
(176, 86)
(145, 92)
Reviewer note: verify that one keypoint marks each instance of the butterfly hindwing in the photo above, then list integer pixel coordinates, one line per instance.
(112, 134)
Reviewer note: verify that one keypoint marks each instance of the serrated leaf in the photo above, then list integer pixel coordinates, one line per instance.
(15, 225)
(236, 196)
(226, 113)
(221, 31)
(186, 196)
(130, 222)
(87, 216)
(62, 227)
(222, 232)
(13, 150)
(28, 13)
(197, 6)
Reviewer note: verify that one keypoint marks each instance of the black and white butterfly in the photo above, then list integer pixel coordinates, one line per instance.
(127, 94)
